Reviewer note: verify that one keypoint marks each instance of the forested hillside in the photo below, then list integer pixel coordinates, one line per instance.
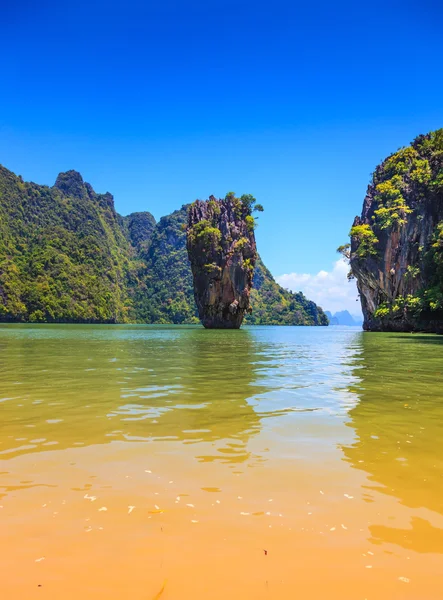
(63, 254)
(67, 256)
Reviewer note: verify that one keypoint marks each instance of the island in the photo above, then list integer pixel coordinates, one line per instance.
(396, 248)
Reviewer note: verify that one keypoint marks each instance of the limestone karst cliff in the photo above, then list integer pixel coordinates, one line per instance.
(66, 255)
(396, 250)
(222, 252)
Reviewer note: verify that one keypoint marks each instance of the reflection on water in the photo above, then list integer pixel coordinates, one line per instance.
(420, 537)
(82, 385)
(398, 420)
(78, 385)
(321, 445)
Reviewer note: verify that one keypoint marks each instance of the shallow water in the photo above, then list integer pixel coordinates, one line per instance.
(151, 462)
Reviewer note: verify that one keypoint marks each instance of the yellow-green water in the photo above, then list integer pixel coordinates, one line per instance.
(176, 462)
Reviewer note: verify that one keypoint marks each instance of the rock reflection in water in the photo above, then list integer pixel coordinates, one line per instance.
(398, 423)
(92, 385)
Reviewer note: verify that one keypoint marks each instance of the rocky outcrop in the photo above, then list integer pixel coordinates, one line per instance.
(66, 255)
(71, 184)
(396, 251)
(165, 293)
(222, 252)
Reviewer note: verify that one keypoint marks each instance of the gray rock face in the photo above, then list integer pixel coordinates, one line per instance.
(399, 279)
(382, 279)
(222, 251)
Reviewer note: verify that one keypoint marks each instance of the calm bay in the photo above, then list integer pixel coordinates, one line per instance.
(177, 462)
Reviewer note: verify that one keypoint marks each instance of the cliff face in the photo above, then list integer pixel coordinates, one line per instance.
(397, 244)
(66, 255)
(222, 252)
(165, 291)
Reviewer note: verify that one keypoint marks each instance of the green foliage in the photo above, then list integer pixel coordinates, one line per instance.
(421, 173)
(67, 256)
(345, 251)
(406, 173)
(214, 206)
(242, 206)
(248, 264)
(205, 234)
(169, 285)
(63, 254)
(407, 204)
(399, 163)
(412, 272)
(433, 298)
(411, 304)
(273, 305)
(240, 244)
(138, 228)
(250, 204)
(212, 269)
(382, 311)
(163, 288)
(430, 145)
(433, 263)
(248, 201)
(250, 223)
(392, 205)
(367, 241)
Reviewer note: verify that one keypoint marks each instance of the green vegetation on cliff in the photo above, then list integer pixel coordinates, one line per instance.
(273, 305)
(63, 255)
(168, 296)
(164, 293)
(138, 228)
(222, 253)
(367, 241)
(397, 244)
(67, 256)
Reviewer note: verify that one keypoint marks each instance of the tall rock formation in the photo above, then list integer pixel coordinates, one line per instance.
(396, 250)
(222, 252)
(66, 255)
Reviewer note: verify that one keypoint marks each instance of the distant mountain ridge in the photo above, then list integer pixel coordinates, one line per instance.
(343, 317)
(66, 255)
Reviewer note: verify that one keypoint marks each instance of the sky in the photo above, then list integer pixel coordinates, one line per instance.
(161, 103)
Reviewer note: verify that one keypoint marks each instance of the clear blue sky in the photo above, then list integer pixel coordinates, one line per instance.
(164, 102)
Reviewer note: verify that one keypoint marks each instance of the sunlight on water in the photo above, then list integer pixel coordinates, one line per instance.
(262, 463)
